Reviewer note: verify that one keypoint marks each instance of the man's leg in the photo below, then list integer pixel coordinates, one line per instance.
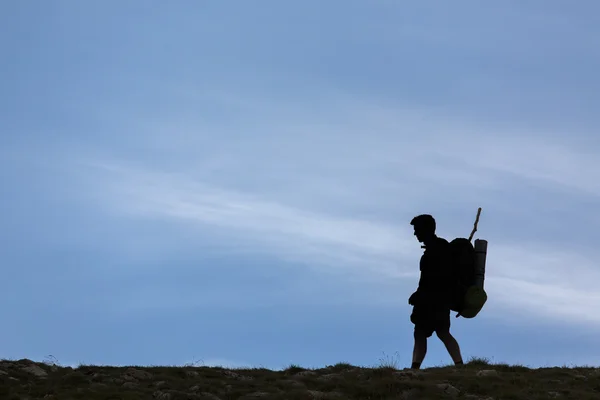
(442, 329)
(423, 330)
(420, 349)
(451, 345)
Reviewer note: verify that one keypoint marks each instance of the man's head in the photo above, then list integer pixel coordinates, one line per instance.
(424, 225)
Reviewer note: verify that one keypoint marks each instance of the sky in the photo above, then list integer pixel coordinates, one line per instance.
(231, 183)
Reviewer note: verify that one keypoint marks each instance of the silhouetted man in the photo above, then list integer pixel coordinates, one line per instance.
(431, 311)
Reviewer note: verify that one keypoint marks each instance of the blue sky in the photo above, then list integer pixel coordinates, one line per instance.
(233, 182)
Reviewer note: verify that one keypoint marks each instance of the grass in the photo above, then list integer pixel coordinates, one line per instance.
(340, 381)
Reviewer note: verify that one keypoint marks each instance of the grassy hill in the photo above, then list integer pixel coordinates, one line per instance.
(25, 379)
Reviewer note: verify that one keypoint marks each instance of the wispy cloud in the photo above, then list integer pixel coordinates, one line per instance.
(545, 282)
(340, 188)
(291, 231)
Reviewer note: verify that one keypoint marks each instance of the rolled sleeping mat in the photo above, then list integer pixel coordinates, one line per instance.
(475, 298)
(480, 257)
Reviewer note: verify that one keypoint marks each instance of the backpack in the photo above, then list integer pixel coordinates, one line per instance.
(467, 294)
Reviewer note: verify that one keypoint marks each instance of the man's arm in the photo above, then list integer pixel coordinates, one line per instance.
(416, 297)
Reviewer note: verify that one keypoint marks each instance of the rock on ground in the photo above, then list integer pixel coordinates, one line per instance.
(448, 389)
(487, 372)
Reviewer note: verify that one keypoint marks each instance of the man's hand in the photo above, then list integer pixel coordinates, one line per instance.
(412, 299)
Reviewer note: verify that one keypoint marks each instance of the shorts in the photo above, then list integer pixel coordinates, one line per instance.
(428, 321)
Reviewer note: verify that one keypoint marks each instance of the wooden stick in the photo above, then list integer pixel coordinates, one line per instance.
(475, 225)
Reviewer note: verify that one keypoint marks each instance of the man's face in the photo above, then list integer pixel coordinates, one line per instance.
(421, 234)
